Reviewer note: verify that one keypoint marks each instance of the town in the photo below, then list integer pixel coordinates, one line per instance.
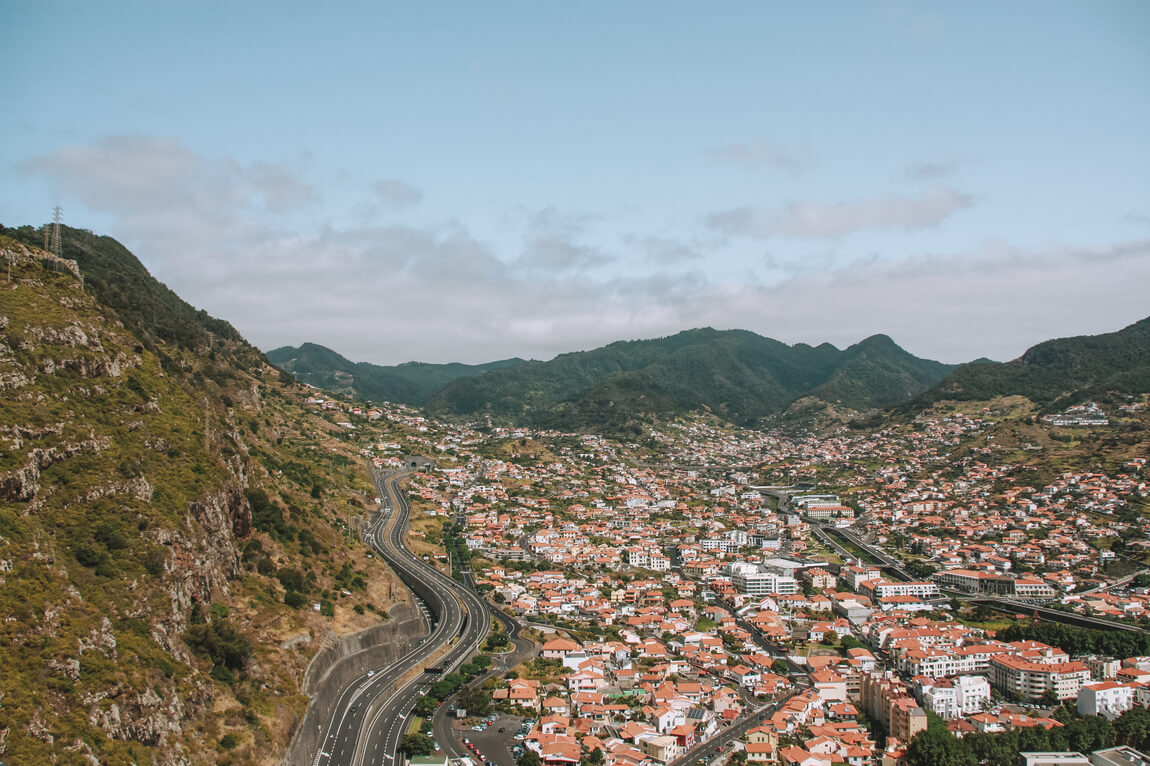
(821, 598)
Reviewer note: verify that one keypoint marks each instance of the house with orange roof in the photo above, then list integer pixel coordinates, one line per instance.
(797, 756)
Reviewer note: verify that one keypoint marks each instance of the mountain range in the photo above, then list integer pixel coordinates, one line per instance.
(735, 374)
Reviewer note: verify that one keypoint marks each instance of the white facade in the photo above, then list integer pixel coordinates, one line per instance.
(919, 589)
(750, 579)
(936, 663)
(1106, 698)
(958, 697)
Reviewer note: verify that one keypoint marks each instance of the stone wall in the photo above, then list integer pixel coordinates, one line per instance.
(338, 665)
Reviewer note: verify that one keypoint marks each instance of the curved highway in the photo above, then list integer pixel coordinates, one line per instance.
(522, 650)
(372, 713)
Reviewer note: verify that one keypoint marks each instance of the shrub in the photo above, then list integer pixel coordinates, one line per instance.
(291, 579)
(221, 641)
(295, 599)
(87, 556)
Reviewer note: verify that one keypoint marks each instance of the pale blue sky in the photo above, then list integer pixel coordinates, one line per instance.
(472, 181)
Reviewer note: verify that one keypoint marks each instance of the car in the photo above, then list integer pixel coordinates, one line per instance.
(370, 673)
(477, 727)
(501, 729)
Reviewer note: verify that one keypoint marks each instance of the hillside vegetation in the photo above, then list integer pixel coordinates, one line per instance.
(1058, 373)
(737, 375)
(410, 383)
(169, 513)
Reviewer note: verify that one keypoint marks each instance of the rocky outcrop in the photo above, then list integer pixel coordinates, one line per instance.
(95, 366)
(16, 255)
(23, 484)
(147, 717)
(202, 561)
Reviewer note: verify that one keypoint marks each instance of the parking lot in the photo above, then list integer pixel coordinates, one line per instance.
(497, 742)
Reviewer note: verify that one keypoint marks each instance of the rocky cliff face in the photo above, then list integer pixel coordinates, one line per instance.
(143, 615)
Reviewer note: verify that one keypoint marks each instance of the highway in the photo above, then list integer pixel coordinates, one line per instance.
(1000, 603)
(371, 715)
(523, 650)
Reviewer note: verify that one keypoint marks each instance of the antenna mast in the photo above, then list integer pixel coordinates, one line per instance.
(55, 248)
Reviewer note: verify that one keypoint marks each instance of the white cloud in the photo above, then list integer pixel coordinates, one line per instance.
(397, 193)
(152, 175)
(753, 155)
(817, 220)
(392, 293)
(664, 250)
(556, 243)
(930, 171)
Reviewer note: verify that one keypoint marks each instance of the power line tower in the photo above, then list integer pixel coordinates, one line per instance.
(55, 248)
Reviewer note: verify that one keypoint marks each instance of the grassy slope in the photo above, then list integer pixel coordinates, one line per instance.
(140, 521)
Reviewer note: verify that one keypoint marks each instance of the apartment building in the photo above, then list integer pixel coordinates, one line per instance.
(1030, 680)
(952, 698)
(1106, 698)
(887, 701)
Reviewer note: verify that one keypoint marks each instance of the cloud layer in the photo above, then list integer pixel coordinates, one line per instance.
(818, 220)
(228, 237)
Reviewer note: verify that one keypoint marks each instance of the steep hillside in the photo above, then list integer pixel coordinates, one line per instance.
(169, 512)
(878, 373)
(410, 383)
(1057, 373)
(735, 374)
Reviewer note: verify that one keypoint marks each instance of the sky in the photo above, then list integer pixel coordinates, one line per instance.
(467, 182)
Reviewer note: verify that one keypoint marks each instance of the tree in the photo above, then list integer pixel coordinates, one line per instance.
(780, 667)
(850, 642)
(594, 758)
(426, 706)
(1133, 727)
(935, 747)
(475, 701)
(417, 744)
(529, 758)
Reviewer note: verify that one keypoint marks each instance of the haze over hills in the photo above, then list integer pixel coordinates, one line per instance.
(735, 374)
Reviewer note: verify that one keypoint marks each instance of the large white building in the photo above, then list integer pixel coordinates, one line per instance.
(1030, 680)
(952, 698)
(1106, 698)
(891, 588)
(936, 662)
(757, 581)
(646, 558)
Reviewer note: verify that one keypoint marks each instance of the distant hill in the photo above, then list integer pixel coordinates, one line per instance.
(734, 374)
(1057, 373)
(410, 383)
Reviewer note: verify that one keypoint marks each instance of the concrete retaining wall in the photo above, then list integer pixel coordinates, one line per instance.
(337, 666)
